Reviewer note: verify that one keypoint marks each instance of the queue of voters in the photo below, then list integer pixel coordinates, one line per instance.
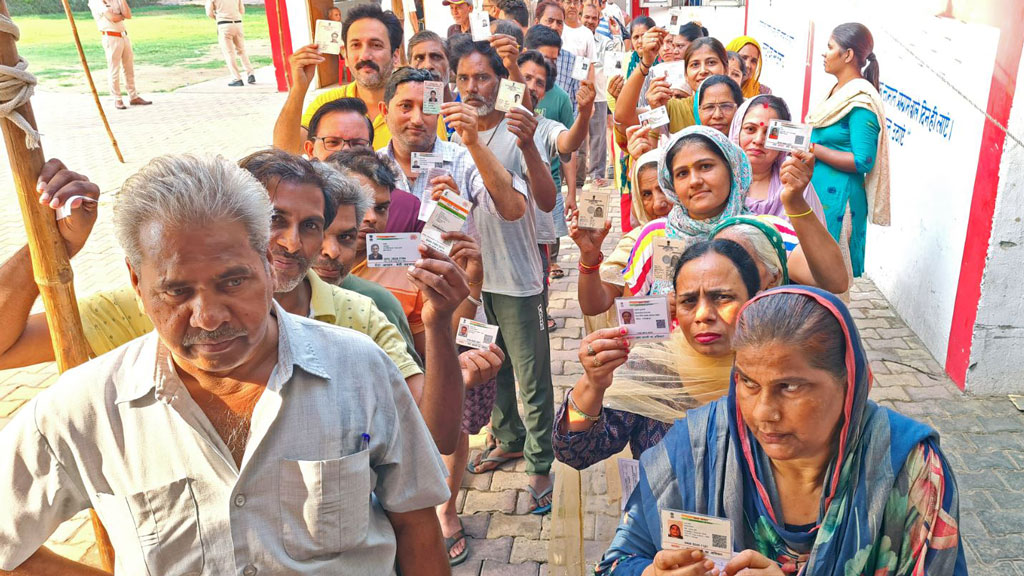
(305, 339)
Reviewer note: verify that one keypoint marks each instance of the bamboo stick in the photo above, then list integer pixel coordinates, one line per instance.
(88, 76)
(50, 263)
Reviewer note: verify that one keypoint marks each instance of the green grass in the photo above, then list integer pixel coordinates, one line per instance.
(167, 36)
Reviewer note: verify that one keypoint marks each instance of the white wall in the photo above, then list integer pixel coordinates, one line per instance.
(997, 353)
(915, 262)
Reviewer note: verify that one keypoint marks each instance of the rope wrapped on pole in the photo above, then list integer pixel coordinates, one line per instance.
(50, 264)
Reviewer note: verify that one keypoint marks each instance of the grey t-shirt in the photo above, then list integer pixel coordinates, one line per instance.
(546, 138)
(510, 250)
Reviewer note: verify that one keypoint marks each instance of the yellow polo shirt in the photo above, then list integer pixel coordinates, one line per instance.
(381, 133)
(115, 317)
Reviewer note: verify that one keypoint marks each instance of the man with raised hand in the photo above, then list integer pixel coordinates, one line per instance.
(198, 443)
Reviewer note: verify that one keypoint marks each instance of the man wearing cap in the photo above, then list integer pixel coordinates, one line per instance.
(110, 16)
(460, 13)
(228, 15)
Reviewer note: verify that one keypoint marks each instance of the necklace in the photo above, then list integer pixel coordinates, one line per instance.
(498, 125)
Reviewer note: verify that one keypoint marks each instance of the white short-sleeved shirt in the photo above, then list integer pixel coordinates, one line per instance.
(122, 434)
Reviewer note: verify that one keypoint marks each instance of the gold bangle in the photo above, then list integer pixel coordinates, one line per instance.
(577, 415)
(791, 216)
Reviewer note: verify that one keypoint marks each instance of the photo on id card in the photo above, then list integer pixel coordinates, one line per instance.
(480, 25)
(654, 118)
(433, 96)
(644, 318)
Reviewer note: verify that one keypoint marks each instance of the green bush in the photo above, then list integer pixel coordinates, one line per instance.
(36, 7)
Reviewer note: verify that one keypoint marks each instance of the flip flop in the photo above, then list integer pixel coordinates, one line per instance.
(556, 273)
(486, 458)
(551, 324)
(451, 541)
(540, 509)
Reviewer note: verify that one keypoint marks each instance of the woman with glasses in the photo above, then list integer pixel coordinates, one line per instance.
(716, 102)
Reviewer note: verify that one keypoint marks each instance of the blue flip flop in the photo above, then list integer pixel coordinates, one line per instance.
(540, 509)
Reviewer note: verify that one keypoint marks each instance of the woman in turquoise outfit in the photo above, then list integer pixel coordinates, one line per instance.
(850, 143)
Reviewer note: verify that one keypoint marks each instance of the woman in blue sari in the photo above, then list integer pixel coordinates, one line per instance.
(815, 478)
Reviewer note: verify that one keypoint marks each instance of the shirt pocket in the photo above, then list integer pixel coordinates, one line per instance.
(324, 505)
(157, 527)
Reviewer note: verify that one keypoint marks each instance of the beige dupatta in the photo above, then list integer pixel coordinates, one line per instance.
(860, 93)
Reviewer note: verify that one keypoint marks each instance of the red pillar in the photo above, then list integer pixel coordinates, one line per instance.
(280, 41)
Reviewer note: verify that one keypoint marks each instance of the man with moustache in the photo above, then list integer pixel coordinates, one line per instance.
(372, 40)
(301, 208)
(427, 51)
(197, 444)
(513, 284)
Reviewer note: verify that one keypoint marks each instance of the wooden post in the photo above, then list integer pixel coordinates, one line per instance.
(50, 262)
(88, 76)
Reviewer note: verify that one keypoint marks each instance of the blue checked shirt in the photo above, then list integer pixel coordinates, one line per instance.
(564, 79)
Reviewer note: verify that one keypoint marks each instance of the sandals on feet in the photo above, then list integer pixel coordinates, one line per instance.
(538, 508)
(492, 462)
(556, 272)
(450, 543)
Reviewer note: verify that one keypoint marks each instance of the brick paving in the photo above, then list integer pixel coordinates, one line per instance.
(983, 437)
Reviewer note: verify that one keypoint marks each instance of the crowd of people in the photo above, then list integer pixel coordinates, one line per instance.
(228, 425)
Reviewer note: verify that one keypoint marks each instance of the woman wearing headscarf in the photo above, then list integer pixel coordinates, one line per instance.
(716, 101)
(706, 176)
(850, 144)
(813, 477)
(749, 130)
(750, 50)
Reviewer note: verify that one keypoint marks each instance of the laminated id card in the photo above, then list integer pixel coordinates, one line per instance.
(654, 118)
(510, 94)
(392, 250)
(788, 136)
(684, 530)
(476, 334)
(449, 214)
(645, 318)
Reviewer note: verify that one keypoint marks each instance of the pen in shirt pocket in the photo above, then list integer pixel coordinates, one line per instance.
(364, 441)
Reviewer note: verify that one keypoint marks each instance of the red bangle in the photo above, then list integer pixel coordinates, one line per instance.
(584, 269)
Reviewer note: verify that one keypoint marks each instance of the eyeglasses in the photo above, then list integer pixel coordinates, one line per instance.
(334, 144)
(724, 108)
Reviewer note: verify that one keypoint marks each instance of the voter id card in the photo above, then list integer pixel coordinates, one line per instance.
(328, 37)
(433, 96)
(510, 94)
(580, 69)
(392, 250)
(654, 118)
(427, 203)
(475, 334)
(683, 530)
(673, 72)
(667, 252)
(645, 318)
(613, 63)
(788, 136)
(449, 214)
(593, 206)
(480, 25)
(424, 161)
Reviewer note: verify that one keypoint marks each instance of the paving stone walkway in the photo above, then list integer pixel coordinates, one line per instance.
(983, 437)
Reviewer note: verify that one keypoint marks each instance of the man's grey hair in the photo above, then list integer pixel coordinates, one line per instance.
(186, 191)
(343, 190)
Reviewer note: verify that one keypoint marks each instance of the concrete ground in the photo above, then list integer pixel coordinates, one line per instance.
(982, 437)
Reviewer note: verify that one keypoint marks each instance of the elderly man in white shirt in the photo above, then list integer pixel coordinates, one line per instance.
(236, 438)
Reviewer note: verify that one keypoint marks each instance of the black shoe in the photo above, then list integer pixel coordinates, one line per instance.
(252, 78)
(236, 83)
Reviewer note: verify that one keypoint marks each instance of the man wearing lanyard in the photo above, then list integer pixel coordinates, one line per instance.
(110, 16)
(228, 14)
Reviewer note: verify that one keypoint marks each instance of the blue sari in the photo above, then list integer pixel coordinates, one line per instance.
(889, 503)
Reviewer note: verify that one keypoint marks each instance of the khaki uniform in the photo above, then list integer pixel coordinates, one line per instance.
(228, 14)
(116, 45)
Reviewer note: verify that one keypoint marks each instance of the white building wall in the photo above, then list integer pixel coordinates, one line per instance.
(927, 62)
(997, 354)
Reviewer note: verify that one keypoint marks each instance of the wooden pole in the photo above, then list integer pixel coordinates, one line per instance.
(50, 262)
(88, 76)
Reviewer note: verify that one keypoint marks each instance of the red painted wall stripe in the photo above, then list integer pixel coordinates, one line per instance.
(280, 41)
(986, 186)
(809, 69)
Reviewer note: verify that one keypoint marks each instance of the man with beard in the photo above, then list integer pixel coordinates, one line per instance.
(235, 438)
(111, 318)
(372, 40)
(513, 283)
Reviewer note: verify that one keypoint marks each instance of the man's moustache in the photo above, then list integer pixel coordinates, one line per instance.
(368, 63)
